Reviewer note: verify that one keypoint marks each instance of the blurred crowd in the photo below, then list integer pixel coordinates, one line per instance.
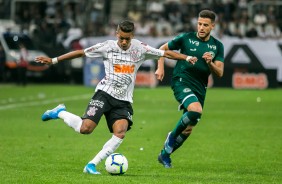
(59, 22)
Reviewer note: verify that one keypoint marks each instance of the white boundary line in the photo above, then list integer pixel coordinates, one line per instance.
(43, 102)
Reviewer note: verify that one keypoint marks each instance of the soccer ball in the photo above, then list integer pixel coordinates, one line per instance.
(116, 164)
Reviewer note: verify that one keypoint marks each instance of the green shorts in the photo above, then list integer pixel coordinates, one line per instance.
(185, 95)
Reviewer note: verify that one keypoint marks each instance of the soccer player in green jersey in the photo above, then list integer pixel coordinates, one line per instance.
(189, 80)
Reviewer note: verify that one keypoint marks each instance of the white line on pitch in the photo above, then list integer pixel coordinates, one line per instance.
(37, 103)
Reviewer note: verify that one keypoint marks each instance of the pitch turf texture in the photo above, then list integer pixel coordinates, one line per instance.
(238, 139)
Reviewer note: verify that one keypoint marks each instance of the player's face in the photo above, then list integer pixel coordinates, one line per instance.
(124, 39)
(205, 26)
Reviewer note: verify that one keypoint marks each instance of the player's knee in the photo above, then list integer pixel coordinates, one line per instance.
(120, 128)
(87, 127)
(194, 117)
(195, 107)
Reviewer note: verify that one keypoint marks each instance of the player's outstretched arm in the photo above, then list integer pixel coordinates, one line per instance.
(69, 55)
(160, 69)
(177, 56)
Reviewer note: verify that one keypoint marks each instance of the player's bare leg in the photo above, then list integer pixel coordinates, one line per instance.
(119, 131)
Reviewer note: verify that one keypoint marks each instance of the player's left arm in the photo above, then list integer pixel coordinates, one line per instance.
(215, 63)
(216, 67)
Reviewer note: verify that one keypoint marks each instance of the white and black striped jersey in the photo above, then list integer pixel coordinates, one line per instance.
(121, 66)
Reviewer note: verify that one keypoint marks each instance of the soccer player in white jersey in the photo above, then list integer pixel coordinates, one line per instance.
(114, 93)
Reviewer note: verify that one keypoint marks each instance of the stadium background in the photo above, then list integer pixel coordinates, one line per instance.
(57, 27)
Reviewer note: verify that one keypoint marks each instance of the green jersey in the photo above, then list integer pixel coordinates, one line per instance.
(195, 76)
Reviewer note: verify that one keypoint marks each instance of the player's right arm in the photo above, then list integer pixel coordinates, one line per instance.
(67, 56)
(160, 69)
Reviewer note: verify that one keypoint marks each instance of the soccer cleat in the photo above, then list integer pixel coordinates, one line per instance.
(90, 169)
(53, 114)
(168, 145)
(164, 160)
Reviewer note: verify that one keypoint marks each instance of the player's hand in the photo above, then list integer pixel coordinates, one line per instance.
(43, 59)
(193, 60)
(208, 57)
(159, 74)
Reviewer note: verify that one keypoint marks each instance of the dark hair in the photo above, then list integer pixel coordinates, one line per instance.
(126, 26)
(208, 14)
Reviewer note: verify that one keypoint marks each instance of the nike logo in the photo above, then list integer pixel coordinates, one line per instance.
(193, 49)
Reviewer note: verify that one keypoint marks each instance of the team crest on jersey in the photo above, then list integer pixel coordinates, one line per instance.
(212, 54)
(92, 111)
(186, 90)
(135, 55)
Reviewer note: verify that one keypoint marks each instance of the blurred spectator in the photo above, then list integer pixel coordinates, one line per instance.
(269, 30)
(228, 7)
(162, 25)
(22, 65)
(252, 33)
(55, 20)
(223, 30)
(73, 33)
(69, 14)
(242, 5)
(155, 9)
(80, 15)
(96, 14)
(175, 18)
(2, 64)
(260, 18)
(143, 28)
(51, 8)
(134, 14)
(270, 14)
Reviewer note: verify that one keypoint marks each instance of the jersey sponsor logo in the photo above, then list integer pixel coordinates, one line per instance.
(118, 68)
(119, 92)
(91, 111)
(96, 103)
(119, 61)
(194, 42)
(193, 49)
(213, 47)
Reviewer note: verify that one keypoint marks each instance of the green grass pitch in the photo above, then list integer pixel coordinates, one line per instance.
(238, 139)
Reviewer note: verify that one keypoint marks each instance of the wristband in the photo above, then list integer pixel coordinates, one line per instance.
(188, 58)
(54, 60)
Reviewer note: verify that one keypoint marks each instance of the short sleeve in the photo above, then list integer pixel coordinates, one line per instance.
(220, 54)
(176, 42)
(96, 50)
(153, 53)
